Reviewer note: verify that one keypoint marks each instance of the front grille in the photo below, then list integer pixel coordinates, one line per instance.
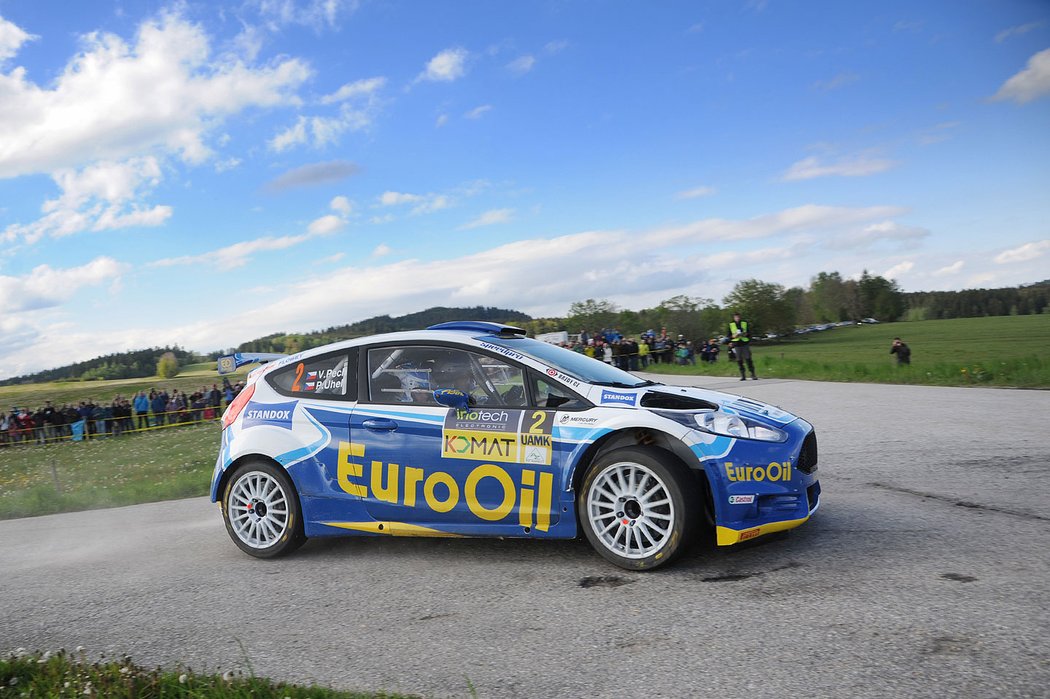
(807, 458)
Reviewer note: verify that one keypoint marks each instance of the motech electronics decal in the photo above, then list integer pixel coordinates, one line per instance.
(272, 414)
(505, 436)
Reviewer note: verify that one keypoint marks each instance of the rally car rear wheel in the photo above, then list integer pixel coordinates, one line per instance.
(638, 507)
(261, 510)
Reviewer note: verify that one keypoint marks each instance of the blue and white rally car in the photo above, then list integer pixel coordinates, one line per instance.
(473, 429)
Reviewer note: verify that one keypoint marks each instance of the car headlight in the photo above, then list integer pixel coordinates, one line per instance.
(717, 422)
(724, 424)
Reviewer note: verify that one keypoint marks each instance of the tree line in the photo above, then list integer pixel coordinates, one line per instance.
(770, 308)
(135, 364)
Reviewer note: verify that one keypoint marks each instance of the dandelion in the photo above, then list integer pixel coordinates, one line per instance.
(183, 678)
(227, 676)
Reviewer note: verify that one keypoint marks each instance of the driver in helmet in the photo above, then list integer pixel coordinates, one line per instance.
(458, 375)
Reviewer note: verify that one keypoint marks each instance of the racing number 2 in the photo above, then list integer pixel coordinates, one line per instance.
(298, 375)
(540, 416)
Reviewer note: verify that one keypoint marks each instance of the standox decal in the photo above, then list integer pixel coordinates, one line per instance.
(618, 398)
(272, 414)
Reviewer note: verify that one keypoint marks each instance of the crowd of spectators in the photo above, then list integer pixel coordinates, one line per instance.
(92, 419)
(631, 354)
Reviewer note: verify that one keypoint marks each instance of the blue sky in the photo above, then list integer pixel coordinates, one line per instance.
(204, 173)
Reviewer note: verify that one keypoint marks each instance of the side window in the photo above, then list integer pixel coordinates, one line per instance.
(332, 376)
(552, 395)
(412, 374)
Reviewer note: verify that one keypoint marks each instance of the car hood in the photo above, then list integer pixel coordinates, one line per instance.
(688, 398)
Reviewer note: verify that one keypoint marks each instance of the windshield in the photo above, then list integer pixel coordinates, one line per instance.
(579, 366)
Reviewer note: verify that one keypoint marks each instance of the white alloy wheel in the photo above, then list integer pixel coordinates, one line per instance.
(636, 510)
(261, 510)
(630, 510)
(258, 509)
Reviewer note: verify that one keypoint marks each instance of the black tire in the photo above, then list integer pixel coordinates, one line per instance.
(639, 507)
(261, 510)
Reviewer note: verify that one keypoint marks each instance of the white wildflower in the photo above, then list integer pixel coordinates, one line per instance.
(183, 678)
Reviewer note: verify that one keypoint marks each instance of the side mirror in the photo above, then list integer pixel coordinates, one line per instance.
(451, 398)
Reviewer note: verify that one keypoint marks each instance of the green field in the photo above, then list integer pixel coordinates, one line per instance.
(126, 470)
(190, 379)
(1009, 351)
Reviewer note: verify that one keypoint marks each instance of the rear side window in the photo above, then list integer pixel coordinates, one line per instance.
(327, 376)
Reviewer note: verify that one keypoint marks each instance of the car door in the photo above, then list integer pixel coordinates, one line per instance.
(481, 467)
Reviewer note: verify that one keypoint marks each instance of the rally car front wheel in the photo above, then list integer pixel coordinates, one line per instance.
(638, 507)
(261, 510)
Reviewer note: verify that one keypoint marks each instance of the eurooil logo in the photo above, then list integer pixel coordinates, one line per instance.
(491, 492)
(272, 414)
(775, 471)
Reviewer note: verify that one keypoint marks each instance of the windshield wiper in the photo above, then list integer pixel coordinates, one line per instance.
(621, 384)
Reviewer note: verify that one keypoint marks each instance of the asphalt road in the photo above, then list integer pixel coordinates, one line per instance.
(926, 573)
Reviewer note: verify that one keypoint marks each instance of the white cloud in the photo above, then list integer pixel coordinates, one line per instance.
(449, 65)
(898, 269)
(360, 88)
(1024, 253)
(872, 234)
(45, 287)
(321, 131)
(11, 39)
(1031, 83)
(325, 225)
(1016, 31)
(490, 218)
(397, 198)
(950, 270)
(940, 132)
(478, 112)
(441, 120)
(341, 205)
(857, 166)
(382, 250)
(100, 197)
(421, 204)
(839, 81)
(316, 14)
(114, 100)
(800, 219)
(696, 192)
(522, 64)
(238, 254)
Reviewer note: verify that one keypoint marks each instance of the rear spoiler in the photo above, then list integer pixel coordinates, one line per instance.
(229, 363)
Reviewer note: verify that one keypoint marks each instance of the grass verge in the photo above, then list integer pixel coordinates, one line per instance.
(1007, 351)
(109, 472)
(64, 674)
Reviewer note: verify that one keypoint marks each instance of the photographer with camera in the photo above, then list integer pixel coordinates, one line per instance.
(902, 351)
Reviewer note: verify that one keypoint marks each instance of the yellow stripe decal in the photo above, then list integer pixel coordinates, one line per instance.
(390, 528)
(727, 537)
